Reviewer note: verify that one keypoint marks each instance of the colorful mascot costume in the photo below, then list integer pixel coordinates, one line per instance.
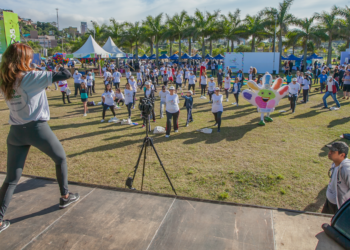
(266, 97)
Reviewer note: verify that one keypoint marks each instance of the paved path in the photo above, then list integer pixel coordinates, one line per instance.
(108, 219)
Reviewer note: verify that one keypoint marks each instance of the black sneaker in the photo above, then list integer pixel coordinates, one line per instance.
(71, 199)
(5, 224)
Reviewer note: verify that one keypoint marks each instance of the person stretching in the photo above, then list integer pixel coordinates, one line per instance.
(236, 89)
(294, 89)
(149, 93)
(162, 95)
(119, 97)
(129, 99)
(227, 85)
(133, 86)
(23, 88)
(172, 111)
(203, 83)
(108, 98)
(217, 107)
(189, 106)
(211, 87)
(332, 87)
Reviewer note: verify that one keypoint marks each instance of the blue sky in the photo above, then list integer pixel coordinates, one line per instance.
(71, 13)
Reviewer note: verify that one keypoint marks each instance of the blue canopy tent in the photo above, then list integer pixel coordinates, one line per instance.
(164, 56)
(284, 58)
(196, 57)
(219, 57)
(134, 56)
(144, 57)
(186, 56)
(174, 57)
(315, 56)
(152, 57)
(209, 57)
(293, 58)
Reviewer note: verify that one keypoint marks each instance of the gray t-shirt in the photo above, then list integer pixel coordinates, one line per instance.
(29, 102)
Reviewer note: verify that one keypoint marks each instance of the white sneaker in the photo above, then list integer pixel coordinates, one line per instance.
(167, 136)
(226, 100)
(342, 136)
(102, 120)
(129, 121)
(176, 131)
(85, 114)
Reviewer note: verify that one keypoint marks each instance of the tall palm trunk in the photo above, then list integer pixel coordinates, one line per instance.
(253, 44)
(151, 44)
(180, 48)
(280, 49)
(203, 48)
(137, 52)
(189, 46)
(157, 51)
(305, 54)
(329, 58)
(232, 46)
(211, 47)
(171, 48)
(347, 42)
(228, 46)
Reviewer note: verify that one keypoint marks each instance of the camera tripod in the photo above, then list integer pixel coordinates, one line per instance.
(147, 142)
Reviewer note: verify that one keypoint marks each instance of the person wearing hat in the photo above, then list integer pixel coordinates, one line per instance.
(323, 80)
(192, 82)
(217, 107)
(211, 87)
(116, 78)
(332, 87)
(294, 88)
(306, 86)
(77, 81)
(338, 190)
(172, 111)
(189, 106)
(203, 83)
(133, 85)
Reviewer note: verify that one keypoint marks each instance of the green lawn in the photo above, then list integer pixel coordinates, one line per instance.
(283, 164)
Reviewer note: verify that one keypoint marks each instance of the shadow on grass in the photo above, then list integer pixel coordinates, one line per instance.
(338, 122)
(320, 199)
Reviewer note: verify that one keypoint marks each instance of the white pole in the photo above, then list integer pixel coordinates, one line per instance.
(274, 45)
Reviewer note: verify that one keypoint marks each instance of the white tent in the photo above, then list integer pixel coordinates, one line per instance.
(113, 49)
(90, 49)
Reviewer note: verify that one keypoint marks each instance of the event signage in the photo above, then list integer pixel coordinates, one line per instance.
(9, 30)
(3, 45)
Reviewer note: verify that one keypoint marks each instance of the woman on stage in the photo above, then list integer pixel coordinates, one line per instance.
(24, 90)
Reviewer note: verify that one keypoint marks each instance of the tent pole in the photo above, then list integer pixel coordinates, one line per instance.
(99, 64)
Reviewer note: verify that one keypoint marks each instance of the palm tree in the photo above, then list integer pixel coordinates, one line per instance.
(284, 18)
(329, 25)
(100, 34)
(204, 22)
(254, 27)
(345, 24)
(179, 24)
(169, 34)
(134, 35)
(307, 31)
(115, 30)
(155, 28)
(291, 41)
(231, 28)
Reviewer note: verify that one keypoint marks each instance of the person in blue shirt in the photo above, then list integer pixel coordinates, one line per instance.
(189, 105)
(289, 77)
(323, 80)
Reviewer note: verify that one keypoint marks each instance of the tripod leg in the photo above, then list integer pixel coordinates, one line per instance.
(144, 162)
(151, 141)
(138, 160)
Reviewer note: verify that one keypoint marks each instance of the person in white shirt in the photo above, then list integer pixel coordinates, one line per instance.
(172, 111)
(108, 98)
(90, 82)
(211, 87)
(139, 78)
(127, 75)
(192, 82)
(162, 95)
(104, 69)
(217, 107)
(294, 89)
(23, 88)
(129, 98)
(332, 87)
(306, 87)
(77, 81)
(162, 69)
(83, 80)
(142, 69)
(119, 97)
(112, 66)
(178, 80)
(187, 75)
(133, 86)
(147, 73)
(203, 83)
(63, 86)
(107, 74)
(116, 78)
(170, 74)
(227, 85)
(156, 74)
(236, 89)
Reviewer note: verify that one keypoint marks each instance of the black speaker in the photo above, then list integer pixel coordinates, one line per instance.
(339, 230)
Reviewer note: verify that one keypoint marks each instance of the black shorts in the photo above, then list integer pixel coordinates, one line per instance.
(346, 88)
(84, 99)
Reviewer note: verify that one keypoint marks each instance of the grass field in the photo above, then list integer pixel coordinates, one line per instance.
(283, 164)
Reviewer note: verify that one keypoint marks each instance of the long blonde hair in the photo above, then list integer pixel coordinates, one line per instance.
(15, 60)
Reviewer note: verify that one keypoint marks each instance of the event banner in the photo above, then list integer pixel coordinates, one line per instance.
(11, 28)
(235, 61)
(3, 45)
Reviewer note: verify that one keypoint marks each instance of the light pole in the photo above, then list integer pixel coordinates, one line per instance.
(274, 46)
(94, 28)
(57, 19)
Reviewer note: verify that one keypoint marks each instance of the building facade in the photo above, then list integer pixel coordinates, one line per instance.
(83, 27)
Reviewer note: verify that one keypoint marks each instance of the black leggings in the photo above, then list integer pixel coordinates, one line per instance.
(105, 107)
(217, 117)
(210, 93)
(306, 95)
(226, 92)
(293, 102)
(191, 86)
(129, 105)
(19, 140)
(236, 96)
(116, 84)
(77, 87)
(120, 101)
(203, 86)
(134, 99)
(63, 97)
(175, 117)
(89, 92)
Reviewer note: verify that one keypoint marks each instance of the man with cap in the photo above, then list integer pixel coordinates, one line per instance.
(149, 93)
(306, 87)
(332, 87)
(338, 190)
(189, 106)
(172, 111)
(77, 81)
(294, 89)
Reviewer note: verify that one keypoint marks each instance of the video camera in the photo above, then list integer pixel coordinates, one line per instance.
(146, 105)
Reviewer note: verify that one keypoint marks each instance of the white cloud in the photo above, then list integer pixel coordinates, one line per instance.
(71, 13)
